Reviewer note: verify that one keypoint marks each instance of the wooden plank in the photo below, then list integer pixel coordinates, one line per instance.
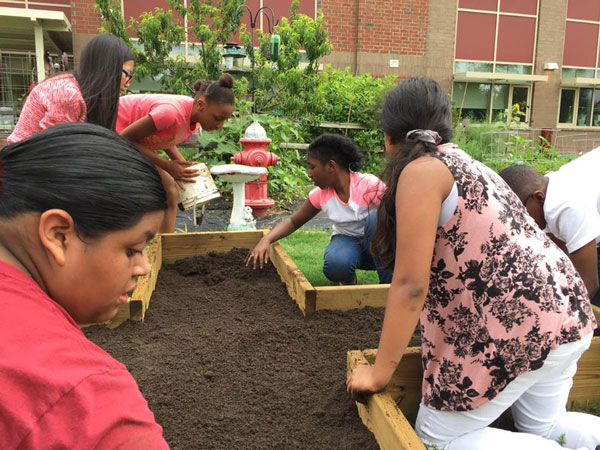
(146, 284)
(383, 417)
(298, 287)
(586, 382)
(343, 125)
(406, 383)
(178, 246)
(596, 313)
(351, 297)
(122, 315)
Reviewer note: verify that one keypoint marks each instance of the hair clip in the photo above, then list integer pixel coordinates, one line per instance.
(429, 136)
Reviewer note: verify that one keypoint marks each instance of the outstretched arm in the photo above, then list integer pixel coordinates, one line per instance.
(260, 254)
(422, 187)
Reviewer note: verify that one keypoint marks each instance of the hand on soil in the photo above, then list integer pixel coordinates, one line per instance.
(260, 254)
(361, 383)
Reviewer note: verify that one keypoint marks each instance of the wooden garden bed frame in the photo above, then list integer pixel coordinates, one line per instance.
(169, 248)
(386, 413)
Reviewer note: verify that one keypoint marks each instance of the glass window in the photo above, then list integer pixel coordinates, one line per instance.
(584, 109)
(520, 96)
(499, 101)
(522, 69)
(567, 72)
(473, 99)
(596, 116)
(468, 66)
(567, 105)
(585, 73)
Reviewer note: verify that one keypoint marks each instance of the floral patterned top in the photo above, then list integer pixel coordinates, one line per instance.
(501, 294)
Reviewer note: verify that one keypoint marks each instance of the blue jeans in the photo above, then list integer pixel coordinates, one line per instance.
(345, 254)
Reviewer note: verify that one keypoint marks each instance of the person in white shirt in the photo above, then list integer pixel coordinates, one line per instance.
(566, 204)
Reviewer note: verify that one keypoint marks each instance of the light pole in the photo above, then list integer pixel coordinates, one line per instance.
(275, 39)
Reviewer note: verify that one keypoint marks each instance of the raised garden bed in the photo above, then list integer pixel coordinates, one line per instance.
(169, 248)
(226, 360)
(389, 414)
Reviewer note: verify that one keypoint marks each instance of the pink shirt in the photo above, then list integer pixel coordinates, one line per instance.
(350, 218)
(53, 101)
(501, 294)
(171, 115)
(60, 390)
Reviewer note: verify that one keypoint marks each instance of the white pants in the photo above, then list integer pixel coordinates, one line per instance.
(538, 401)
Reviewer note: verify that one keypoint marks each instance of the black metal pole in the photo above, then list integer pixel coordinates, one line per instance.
(253, 19)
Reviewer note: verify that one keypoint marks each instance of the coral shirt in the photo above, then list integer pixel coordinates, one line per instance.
(53, 101)
(171, 115)
(60, 390)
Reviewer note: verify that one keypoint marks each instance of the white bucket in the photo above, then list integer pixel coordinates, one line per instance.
(199, 193)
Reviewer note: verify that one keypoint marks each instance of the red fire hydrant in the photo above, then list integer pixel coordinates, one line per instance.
(255, 154)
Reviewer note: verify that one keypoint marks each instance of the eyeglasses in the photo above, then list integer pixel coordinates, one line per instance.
(128, 75)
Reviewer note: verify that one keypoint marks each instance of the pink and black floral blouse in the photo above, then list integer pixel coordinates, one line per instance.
(501, 294)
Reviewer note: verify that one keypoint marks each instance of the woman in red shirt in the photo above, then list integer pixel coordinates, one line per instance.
(89, 94)
(74, 225)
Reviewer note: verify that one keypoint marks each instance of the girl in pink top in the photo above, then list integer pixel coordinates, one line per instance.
(159, 122)
(348, 198)
(504, 315)
(90, 94)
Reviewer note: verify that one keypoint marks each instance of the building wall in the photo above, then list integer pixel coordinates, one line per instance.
(551, 36)
(369, 35)
(85, 23)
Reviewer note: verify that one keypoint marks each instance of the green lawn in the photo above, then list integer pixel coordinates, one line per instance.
(306, 248)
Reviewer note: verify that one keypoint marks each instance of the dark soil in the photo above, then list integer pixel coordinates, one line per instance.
(227, 361)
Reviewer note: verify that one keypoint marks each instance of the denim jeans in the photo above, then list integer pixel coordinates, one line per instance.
(345, 254)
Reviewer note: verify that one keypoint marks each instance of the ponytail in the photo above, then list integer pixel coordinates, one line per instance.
(339, 148)
(418, 117)
(220, 91)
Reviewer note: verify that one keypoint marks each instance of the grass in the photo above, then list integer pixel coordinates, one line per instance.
(306, 248)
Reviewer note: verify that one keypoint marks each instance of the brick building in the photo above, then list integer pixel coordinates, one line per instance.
(489, 54)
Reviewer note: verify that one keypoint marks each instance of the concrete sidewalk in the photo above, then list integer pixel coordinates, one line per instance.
(218, 212)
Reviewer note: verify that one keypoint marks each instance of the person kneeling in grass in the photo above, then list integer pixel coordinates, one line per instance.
(348, 198)
(74, 225)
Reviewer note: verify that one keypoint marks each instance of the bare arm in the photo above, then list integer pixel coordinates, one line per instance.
(585, 261)
(176, 167)
(422, 187)
(174, 153)
(560, 244)
(260, 254)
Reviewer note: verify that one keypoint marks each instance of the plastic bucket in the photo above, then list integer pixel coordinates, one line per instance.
(201, 192)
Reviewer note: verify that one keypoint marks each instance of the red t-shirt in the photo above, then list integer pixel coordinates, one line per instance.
(171, 115)
(58, 389)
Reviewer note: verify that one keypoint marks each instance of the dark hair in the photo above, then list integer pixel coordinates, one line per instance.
(92, 173)
(220, 91)
(523, 180)
(418, 103)
(339, 148)
(99, 76)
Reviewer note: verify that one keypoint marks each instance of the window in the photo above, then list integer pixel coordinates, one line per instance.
(579, 107)
(490, 102)
(501, 33)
